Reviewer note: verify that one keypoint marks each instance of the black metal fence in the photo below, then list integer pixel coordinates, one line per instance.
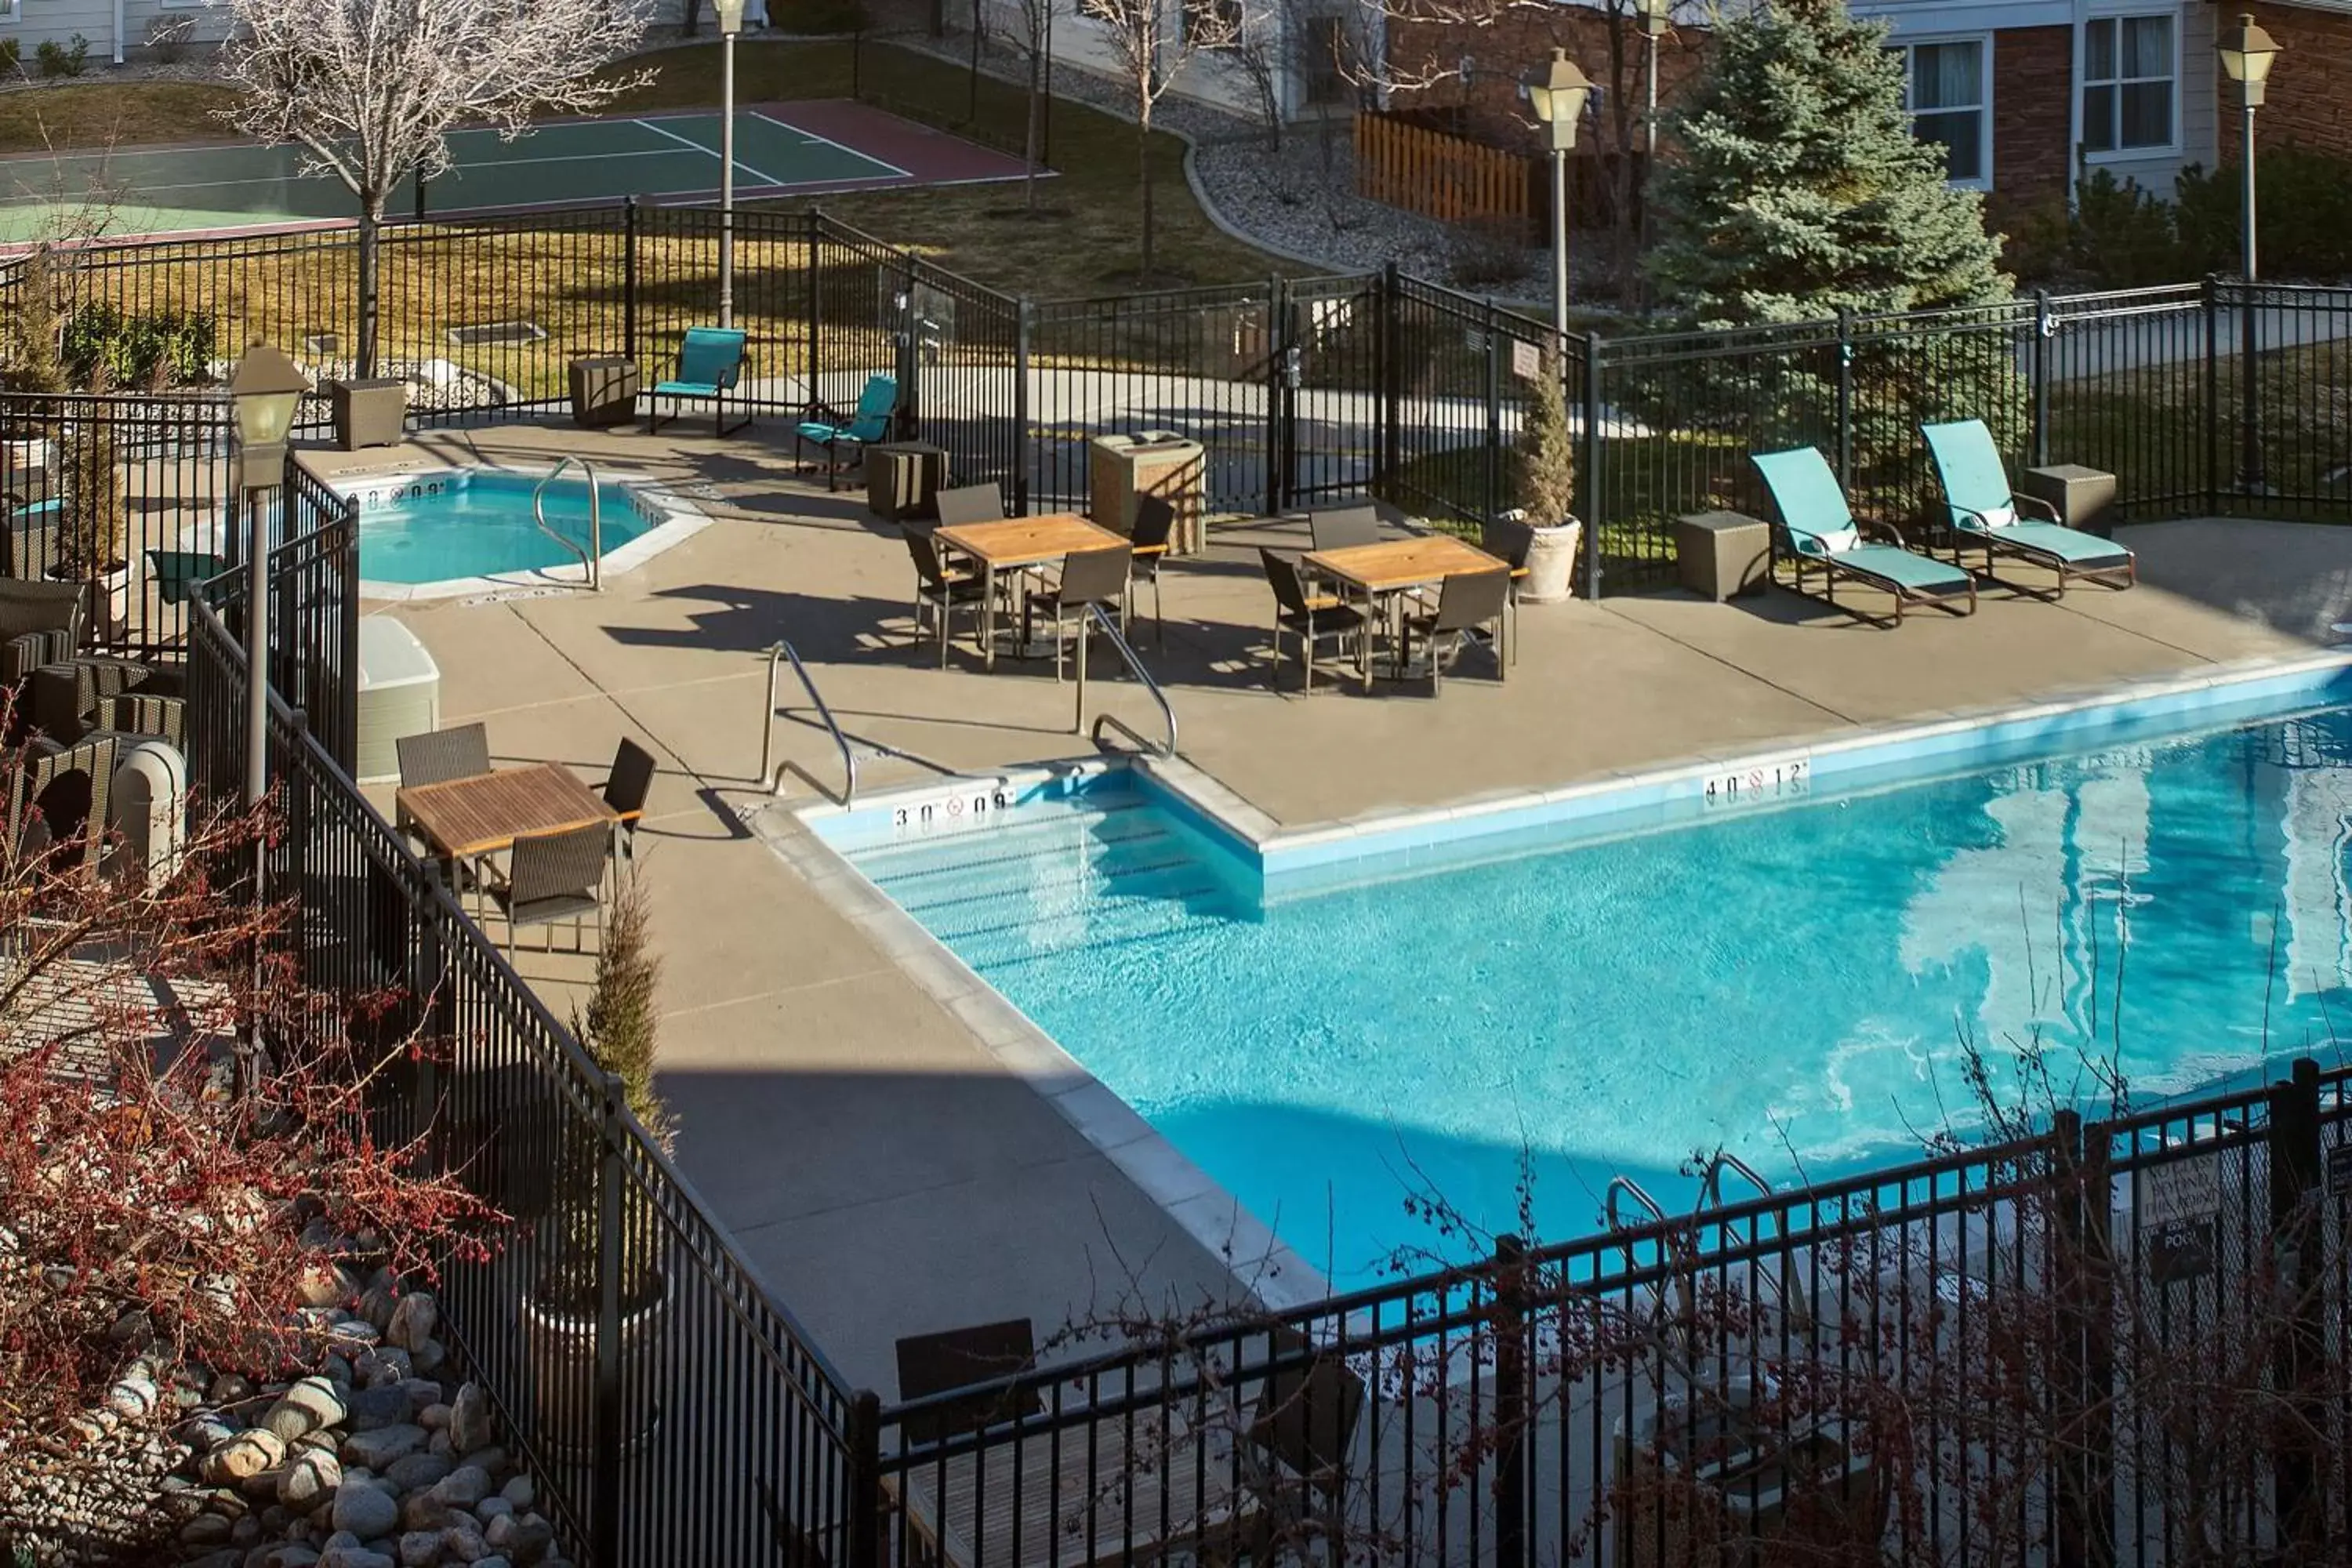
(2201, 398)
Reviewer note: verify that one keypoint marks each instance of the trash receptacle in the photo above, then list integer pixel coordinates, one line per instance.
(902, 478)
(1163, 463)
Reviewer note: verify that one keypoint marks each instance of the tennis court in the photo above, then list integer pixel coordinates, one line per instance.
(781, 149)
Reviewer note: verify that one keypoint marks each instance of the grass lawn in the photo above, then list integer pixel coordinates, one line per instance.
(90, 116)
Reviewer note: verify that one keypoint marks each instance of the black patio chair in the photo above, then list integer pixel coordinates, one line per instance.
(555, 877)
(627, 787)
(1090, 577)
(1155, 521)
(969, 503)
(1309, 616)
(1509, 541)
(944, 591)
(958, 1357)
(1468, 603)
(1343, 527)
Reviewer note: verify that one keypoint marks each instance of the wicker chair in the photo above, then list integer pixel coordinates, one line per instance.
(64, 695)
(627, 787)
(555, 877)
(40, 623)
(55, 792)
(439, 756)
(138, 715)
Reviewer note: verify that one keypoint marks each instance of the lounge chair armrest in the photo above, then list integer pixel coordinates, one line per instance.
(2049, 511)
(1150, 550)
(1867, 526)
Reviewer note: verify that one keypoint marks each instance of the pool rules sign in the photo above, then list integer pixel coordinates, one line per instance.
(2179, 1219)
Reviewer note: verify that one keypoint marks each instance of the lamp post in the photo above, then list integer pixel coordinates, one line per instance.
(2247, 54)
(1558, 102)
(731, 22)
(263, 393)
(1657, 18)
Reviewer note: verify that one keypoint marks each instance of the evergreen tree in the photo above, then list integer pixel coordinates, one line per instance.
(1796, 186)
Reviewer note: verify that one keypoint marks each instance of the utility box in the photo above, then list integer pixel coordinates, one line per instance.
(1163, 463)
(2082, 498)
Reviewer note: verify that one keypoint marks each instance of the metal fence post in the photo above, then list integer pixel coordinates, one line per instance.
(2082, 1389)
(1511, 1448)
(2298, 1359)
(2046, 327)
(1845, 398)
(2212, 393)
(604, 1503)
(629, 279)
(1021, 433)
(815, 302)
(429, 980)
(1386, 369)
(910, 354)
(1277, 358)
(1589, 477)
(1494, 464)
(864, 1545)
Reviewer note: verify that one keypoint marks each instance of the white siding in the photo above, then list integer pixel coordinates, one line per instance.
(1077, 41)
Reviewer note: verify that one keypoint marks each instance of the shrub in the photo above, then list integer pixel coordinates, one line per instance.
(1543, 469)
(93, 519)
(149, 351)
(63, 59)
(12, 53)
(33, 325)
(2305, 215)
(2123, 234)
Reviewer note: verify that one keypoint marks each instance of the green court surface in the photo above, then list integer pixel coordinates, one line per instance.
(241, 186)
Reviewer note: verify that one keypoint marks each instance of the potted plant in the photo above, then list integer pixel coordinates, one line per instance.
(1544, 481)
(91, 521)
(561, 1311)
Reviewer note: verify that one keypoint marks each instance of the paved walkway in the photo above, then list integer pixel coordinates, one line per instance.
(874, 1161)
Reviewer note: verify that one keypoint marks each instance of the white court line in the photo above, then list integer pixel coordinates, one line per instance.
(683, 142)
(812, 136)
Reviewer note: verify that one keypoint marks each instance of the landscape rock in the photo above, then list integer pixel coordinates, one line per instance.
(521, 1536)
(439, 1444)
(521, 1493)
(134, 1397)
(247, 1531)
(419, 1548)
(378, 1303)
(495, 1561)
(206, 1529)
(464, 1542)
(309, 1405)
(372, 1409)
(229, 1388)
(309, 1477)
(354, 1557)
(365, 1511)
(492, 1459)
(289, 1555)
(428, 1356)
(416, 1472)
(490, 1507)
(424, 1512)
(412, 1320)
(380, 1447)
(245, 1455)
(352, 1335)
(464, 1487)
(434, 1417)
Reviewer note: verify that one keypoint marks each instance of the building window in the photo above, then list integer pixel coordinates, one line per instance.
(2127, 83)
(1945, 89)
(11, 11)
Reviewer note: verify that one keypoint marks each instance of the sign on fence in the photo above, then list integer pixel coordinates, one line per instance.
(2180, 1215)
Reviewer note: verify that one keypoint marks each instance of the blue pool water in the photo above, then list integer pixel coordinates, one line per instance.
(430, 528)
(1792, 986)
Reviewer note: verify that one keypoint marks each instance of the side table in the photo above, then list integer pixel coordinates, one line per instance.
(1723, 554)
(2084, 498)
(901, 478)
(603, 391)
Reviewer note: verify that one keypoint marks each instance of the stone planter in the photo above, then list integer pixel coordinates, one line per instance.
(1551, 562)
(562, 1349)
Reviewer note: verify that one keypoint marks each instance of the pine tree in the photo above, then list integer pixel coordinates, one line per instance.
(1797, 187)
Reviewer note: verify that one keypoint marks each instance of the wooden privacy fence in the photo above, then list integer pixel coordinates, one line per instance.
(1441, 176)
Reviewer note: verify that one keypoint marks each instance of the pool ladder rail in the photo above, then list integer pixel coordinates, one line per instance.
(769, 773)
(1109, 628)
(592, 560)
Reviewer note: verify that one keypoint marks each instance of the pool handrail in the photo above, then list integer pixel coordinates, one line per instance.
(772, 775)
(1711, 1187)
(1633, 1188)
(592, 559)
(1167, 711)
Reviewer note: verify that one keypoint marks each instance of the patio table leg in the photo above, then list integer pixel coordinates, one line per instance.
(987, 615)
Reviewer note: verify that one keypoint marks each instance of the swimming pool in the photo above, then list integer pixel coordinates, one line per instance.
(452, 531)
(1792, 983)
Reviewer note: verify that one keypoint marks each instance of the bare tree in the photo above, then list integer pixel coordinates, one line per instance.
(1034, 41)
(370, 88)
(1153, 41)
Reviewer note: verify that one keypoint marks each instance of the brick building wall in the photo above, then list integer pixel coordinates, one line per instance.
(2310, 97)
(1517, 46)
(2032, 118)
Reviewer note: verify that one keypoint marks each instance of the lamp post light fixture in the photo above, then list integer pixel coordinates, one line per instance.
(1657, 19)
(2247, 55)
(1558, 100)
(264, 392)
(731, 22)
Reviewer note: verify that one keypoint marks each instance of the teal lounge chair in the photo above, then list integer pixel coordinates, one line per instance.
(1821, 528)
(710, 364)
(1985, 509)
(178, 574)
(843, 440)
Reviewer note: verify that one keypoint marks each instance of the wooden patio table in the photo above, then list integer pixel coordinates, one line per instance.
(1016, 543)
(1390, 567)
(466, 819)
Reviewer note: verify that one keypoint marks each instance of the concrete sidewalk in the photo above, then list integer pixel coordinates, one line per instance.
(874, 1164)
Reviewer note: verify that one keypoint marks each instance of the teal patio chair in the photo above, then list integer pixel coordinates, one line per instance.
(178, 574)
(1821, 528)
(710, 364)
(841, 439)
(1987, 511)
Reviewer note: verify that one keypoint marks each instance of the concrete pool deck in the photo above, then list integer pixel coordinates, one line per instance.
(875, 1163)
